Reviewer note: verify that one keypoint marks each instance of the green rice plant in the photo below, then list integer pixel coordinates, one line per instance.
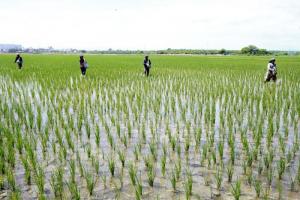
(19, 143)
(236, 190)
(214, 156)
(151, 175)
(74, 191)
(163, 164)
(132, 170)
(138, 189)
(266, 194)
(270, 173)
(153, 149)
(95, 164)
(129, 130)
(27, 170)
(281, 167)
(136, 153)
(173, 179)
(149, 163)
(219, 179)
(97, 136)
(197, 138)
(173, 142)
(121, 155)
(110, 139)
(257, 187)
(177, 168)
(72, 169)
(88, 150)
(11, 180)
(1, 182)
(124, 140)
(57, 183)
(221, 149)
(188, 184)
(40, 182)
(111, 165)
(249, 176)
(70, 141)
(90, 182)
(229, 171)
(260, 167)
(187, 143)
(15, 195)
(118, 127)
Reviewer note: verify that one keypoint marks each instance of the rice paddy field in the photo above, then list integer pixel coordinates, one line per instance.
(198, 127)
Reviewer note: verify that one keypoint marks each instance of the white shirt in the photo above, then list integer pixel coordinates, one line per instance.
(271, 67)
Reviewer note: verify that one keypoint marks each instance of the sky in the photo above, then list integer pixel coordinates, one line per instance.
(151, 24)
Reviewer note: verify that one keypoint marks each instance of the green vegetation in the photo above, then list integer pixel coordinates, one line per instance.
(206, 121)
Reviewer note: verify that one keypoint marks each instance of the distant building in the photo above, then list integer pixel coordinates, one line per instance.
(10, 47)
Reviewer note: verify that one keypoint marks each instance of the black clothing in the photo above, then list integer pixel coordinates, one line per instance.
(82, 66)
(83, 70)
(147, 66)
(19, 60)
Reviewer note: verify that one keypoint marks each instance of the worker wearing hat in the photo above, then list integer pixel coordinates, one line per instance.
(19, 61)
(272, 71)
(147, 65)
(83, 65)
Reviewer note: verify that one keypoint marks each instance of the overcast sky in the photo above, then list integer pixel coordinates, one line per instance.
(151, 24)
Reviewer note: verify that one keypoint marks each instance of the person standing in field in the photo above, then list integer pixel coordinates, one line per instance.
(19, 61)
(147, 65)
(83, 65)
(271, 71)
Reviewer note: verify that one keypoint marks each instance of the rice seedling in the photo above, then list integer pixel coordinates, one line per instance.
(57, 183)
(121, 155)
(229, 171)
(177, 168)
(173, 179)
(150, 168)
(270, 173)
(72, 168)
(219, 178)
(90, 182)
(188, 184)
(153, 149)
(111, 165)
(11, 180)
(281, 167)
(40, 182)
(74, 191)
(132, 170)
(236, 190)
(163, 164)
(138, 189)
(257, 187)
(1, 182)
(27, 170)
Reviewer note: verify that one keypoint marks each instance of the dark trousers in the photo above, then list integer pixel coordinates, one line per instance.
(147, 70)
(20, 65)
(271, 76)
(83, 70)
